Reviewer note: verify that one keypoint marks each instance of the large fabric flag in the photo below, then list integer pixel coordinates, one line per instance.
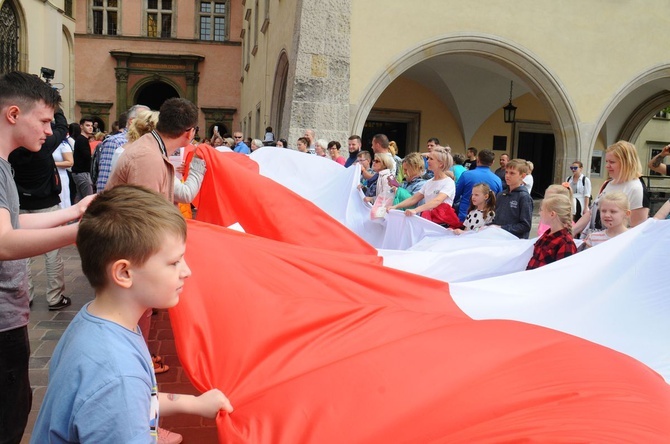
(319, 346)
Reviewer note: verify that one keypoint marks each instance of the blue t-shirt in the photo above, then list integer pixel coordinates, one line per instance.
(102, 387)
(481, 174)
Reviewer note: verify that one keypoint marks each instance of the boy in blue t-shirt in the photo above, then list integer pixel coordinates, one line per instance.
(102, 386)
(514, 206)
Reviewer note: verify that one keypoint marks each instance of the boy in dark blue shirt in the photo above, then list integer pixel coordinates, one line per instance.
(514, 207)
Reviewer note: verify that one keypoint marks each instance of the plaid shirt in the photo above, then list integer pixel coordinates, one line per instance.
(107, 148)
(552, 247)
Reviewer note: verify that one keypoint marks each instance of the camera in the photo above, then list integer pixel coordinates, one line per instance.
(48, 74)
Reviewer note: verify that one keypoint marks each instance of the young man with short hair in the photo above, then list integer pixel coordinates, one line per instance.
(109, 394)
(471, 161)
(81, 152)
(26, 110)
(354, 145)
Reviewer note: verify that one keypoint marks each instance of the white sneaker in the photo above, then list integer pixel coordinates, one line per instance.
(168, 437)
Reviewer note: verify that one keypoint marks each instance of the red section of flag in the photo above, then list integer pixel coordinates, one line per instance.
(233, 191)
(317, 346)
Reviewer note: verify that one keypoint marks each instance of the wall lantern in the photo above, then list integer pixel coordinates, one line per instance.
(509, 110)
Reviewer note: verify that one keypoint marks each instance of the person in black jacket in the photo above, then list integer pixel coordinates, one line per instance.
(81, 170)
(38, 183)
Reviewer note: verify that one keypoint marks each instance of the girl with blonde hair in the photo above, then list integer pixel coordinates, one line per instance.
(614, 213)
(563, 189)
(557, 242)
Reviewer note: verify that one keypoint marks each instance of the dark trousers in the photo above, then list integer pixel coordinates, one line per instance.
(15, 394)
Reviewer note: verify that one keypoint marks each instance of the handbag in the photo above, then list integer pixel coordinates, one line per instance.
(382, 202)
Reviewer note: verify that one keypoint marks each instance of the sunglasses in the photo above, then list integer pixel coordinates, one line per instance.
(376, 161)
(574, 168)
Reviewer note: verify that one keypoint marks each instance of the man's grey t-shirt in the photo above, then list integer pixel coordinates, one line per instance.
(14, 299)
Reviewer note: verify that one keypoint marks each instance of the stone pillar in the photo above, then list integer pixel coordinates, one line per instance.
(318, 82)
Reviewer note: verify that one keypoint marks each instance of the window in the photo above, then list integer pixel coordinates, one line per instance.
(9, 38)
(105, 17)
(67, 7)
(159, 18)
(212, 16)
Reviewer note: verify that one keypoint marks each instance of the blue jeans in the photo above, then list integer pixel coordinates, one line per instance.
(16, 396)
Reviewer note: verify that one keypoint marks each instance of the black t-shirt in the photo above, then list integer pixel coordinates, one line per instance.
(470, 164)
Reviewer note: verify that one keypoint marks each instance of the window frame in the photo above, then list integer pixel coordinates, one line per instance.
(213, 16)
(159, 19)
(105, 18)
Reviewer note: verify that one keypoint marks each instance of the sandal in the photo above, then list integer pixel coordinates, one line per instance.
(159, 368)
(156, 359)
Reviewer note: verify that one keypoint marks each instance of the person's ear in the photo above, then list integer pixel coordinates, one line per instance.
(121, 273)
(11, 113)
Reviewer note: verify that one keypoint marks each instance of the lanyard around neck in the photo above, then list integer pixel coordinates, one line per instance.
(161, 144)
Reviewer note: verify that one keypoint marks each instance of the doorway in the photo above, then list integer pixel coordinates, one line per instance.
(539, 148)
(154, 94)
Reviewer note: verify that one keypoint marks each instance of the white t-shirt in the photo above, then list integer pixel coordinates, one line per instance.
(528, 182)
(433, 187)
(632, 189)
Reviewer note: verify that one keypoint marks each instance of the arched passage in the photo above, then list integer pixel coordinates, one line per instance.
(514, 61)
(154, 93)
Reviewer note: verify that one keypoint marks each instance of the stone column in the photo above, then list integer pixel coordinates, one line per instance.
(318, 82)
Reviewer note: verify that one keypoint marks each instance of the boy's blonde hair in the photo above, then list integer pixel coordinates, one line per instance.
(126, 222)
(519, 165)
(617, 198)
(626, 154)
(562, 206)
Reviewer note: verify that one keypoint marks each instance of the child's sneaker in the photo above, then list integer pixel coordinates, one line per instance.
(168, 437)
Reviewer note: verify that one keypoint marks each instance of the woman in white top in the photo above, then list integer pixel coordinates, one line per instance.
(581, 189)
(381, 165)
(64, 159)
(438, 192)
(624, 168)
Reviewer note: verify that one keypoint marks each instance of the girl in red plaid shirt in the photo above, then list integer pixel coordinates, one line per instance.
(556, 243)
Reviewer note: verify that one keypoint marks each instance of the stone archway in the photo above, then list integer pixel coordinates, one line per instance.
(647, 105)
(154, 93)
(522, 63)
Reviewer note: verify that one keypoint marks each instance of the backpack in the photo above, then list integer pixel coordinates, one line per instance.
(575, 202)
(95, 164)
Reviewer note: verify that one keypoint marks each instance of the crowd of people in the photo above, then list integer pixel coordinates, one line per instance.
(131, 238)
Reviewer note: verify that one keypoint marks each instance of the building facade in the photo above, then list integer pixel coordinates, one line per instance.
(583, 74)
(146, 51)
(36, 35)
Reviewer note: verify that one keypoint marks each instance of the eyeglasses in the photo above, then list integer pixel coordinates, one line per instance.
(573, 168)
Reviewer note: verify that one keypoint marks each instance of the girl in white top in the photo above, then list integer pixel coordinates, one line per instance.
(482, 208)
(436, 191)
(614, 213)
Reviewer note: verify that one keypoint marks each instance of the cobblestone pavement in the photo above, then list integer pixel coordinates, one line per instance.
(46, 328)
